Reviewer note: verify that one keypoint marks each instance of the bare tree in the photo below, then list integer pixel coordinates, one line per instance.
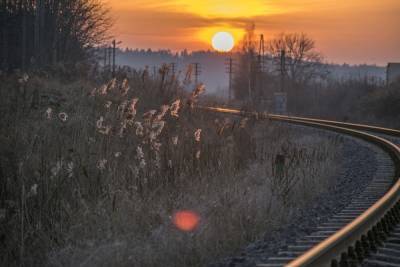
(302, 62)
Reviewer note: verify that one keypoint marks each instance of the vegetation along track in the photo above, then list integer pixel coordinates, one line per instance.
(367, 231)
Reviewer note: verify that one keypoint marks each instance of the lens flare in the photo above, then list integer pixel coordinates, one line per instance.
(186, 220)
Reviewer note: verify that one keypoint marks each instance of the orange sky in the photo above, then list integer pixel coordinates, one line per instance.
(352, 31)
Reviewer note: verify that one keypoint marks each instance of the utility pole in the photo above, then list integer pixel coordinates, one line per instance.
(4, 35)
(261, 54)
(197, 72)
(24, 39)
(229, 70)
(105, 57)
(173, 68)
(113, 52)
(283, 69)
(250, 69)
(280, 98)
(109, 57)
(260, 69)
(36, 36)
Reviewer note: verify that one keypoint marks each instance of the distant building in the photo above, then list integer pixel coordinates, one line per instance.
(393, 73)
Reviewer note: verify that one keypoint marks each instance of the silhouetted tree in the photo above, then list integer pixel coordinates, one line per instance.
(302, 62)
(44, 32)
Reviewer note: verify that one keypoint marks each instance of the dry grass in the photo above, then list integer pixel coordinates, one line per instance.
(92, 177)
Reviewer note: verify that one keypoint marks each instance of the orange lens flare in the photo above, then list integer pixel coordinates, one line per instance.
(186, 220)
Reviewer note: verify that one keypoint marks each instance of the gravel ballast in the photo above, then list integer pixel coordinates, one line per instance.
(358, 164)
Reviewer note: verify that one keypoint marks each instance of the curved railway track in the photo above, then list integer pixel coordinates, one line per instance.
(367, 231)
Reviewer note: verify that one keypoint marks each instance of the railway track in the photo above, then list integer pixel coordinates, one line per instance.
(367, 231)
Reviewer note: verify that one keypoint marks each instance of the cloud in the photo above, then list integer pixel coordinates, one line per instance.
(161, 22)
(175, 30)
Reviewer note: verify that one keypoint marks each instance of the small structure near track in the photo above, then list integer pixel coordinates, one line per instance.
(280, 103)
(392, 73)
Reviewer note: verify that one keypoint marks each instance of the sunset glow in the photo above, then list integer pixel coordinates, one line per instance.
(162, 132)
(358, 25)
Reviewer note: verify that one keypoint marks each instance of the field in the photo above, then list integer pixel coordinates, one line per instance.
(94, 171)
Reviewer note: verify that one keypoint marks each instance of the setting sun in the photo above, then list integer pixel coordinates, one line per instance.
(223, 41)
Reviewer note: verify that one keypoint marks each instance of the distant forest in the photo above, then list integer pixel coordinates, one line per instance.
(213, 66)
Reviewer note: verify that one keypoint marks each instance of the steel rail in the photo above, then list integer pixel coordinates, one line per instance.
(363, 127)
(264, 115)
(334, 248)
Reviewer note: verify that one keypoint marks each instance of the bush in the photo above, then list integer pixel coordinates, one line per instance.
(92, 173)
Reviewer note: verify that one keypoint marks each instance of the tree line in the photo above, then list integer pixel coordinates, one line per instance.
(293, 65)
(289, 63)
(40, 33)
